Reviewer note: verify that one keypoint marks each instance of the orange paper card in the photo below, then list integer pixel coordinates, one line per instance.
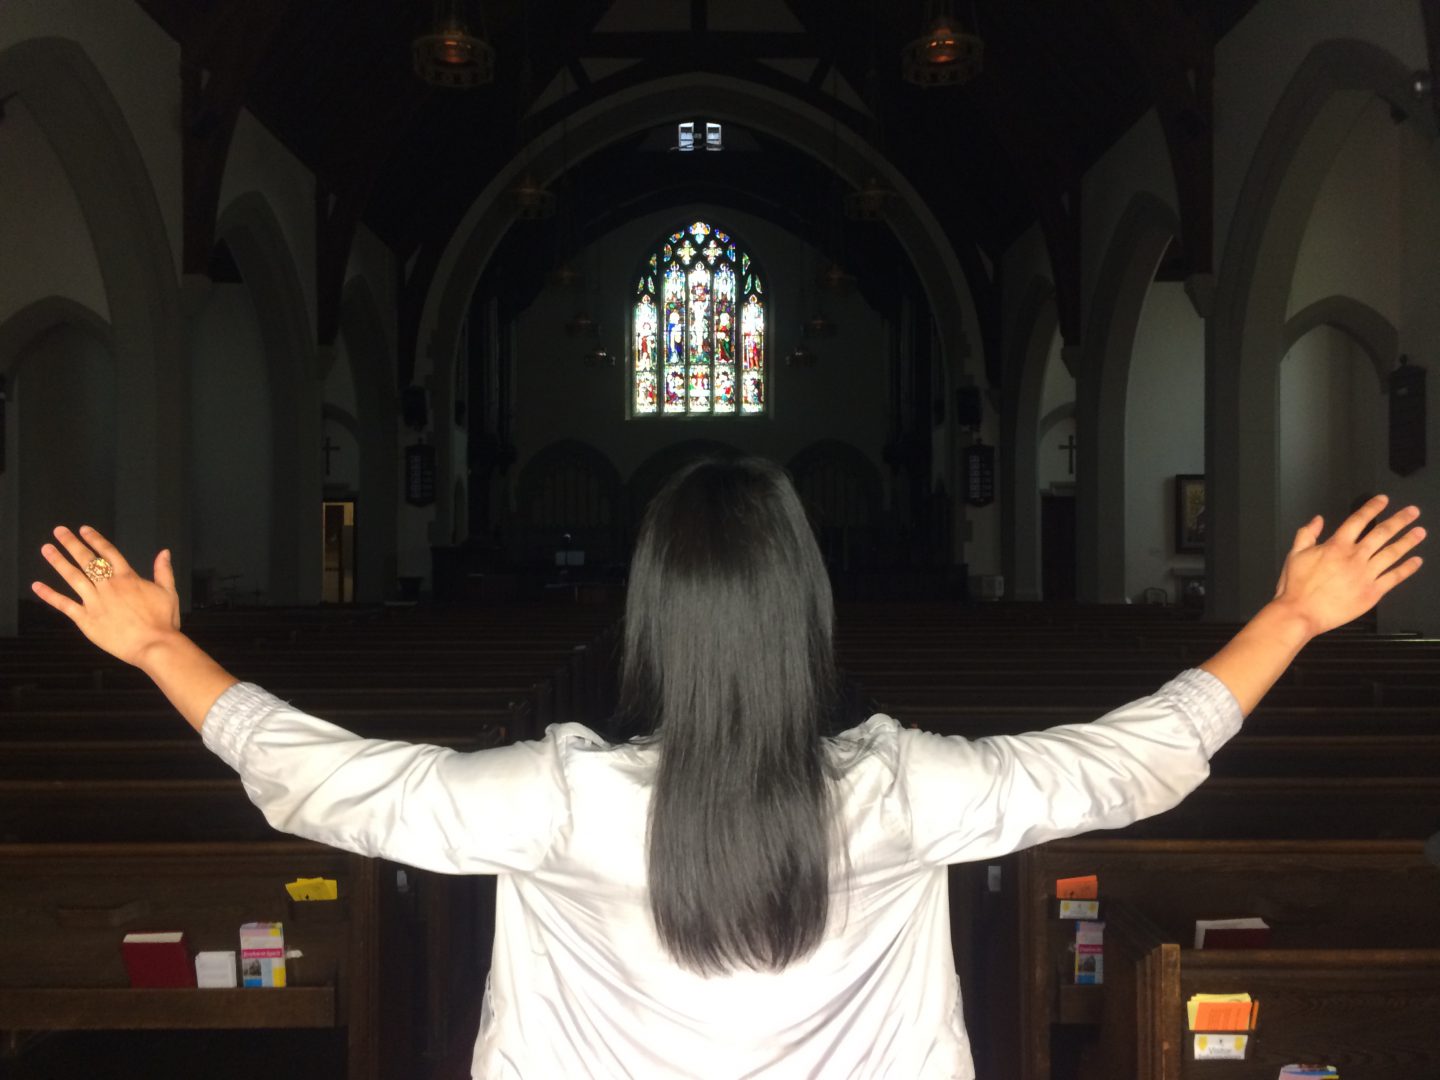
(1222, 1016)
(1078, 888)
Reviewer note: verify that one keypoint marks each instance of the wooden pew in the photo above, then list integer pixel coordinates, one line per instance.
(1371, 895)
(67, 907)
(1369, 1012)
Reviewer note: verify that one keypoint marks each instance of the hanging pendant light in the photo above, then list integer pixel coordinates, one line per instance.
(870, 202)
(565, 276)
(801, 356)
(531, 201)
(835, 278)
(817, 326)
(581, 325)
(450, 55)
(945, 55)
(599, 356)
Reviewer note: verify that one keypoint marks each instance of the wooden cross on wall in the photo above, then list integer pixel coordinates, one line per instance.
(327, 448)
(1069, 447)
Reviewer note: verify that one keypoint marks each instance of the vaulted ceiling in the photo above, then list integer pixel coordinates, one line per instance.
(1061, 81)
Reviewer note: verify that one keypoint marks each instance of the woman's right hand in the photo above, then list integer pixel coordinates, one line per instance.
(1332, 583)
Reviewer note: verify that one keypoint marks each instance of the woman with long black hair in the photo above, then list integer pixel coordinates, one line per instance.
(731, 892)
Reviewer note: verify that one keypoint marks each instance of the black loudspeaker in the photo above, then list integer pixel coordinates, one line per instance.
(414, 408)
(969, 410)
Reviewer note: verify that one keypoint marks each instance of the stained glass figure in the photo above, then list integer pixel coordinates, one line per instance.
(698, 344)
(646, 341)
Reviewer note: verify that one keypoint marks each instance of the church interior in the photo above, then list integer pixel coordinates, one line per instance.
(1062, 318)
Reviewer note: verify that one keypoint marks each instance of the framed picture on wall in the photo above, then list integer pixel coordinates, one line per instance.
(1189, 514)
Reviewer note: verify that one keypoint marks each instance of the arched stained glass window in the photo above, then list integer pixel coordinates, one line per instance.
(698, 342)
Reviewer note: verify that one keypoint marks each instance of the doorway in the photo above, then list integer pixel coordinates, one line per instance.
(338, 533)
(1057, 547)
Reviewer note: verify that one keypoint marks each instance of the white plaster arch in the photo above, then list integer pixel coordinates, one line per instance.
(377, 408)
(724, 98)
(69, 99)
(1248, 330)
(1030, 338)
(1141, 236)
(1359, 321)
(249, 228)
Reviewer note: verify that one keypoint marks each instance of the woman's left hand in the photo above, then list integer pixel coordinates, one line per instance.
(124, 614)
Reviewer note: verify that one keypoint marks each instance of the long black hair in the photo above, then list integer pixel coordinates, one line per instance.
(728, 661)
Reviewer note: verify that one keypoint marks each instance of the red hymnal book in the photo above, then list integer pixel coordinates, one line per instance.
(1232, 934)
(158, 960)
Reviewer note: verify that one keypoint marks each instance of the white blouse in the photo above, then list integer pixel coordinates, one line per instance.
(580, 986)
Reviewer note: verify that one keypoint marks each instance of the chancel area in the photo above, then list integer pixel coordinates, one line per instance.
(389, 319)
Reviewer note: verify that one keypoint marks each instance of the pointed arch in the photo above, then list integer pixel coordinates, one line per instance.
(67, 96)
(633, 109)
(1141, 236)
(249, 228)
(698, 326)
(1359, 321)
(1247, 339)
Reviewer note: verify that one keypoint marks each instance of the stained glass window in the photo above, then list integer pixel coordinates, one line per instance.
(698, 347)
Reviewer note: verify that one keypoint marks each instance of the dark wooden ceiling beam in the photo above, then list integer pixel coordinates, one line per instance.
(1175, 53)
(218, 58)
(657, 45)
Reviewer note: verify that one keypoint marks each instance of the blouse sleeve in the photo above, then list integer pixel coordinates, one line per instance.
(978, 799)
(489, 811)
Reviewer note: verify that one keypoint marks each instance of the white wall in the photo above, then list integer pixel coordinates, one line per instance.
(45, 246)
(1255, 62)
(1164, 435)
(1332, 414)
(258, 161)
(231, 482)
(843, 397)
(65, 413)
(1356, 228)
(1138, 162)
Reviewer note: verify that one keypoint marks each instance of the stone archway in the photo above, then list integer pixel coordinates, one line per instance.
(724, 98)
(249, 228)
(1248, 330)
(1141, 236)
(1031, 336)
(1367, 327)
(69, 99)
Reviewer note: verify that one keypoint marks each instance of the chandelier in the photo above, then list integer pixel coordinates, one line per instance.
(450, 55)
(945, 55)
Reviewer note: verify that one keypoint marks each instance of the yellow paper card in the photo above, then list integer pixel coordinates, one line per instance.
(313, 888)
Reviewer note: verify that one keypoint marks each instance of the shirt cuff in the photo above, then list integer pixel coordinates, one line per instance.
(1208, 704)
(233, 719)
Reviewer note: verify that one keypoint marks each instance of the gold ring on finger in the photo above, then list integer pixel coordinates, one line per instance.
(99, 569)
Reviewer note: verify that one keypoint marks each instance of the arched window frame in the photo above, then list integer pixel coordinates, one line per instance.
(722, 331)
